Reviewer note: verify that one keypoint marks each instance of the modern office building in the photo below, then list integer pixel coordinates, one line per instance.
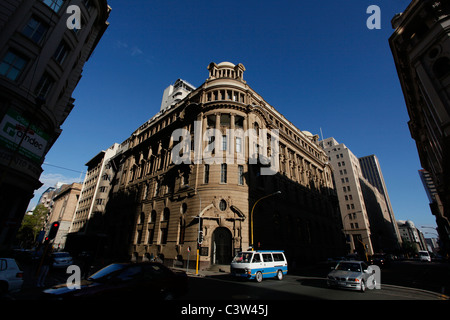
(209, 170)
(41, 61)
(175, 93)
(368, 220)
(347, 174)
(371, 170)
(420, 47)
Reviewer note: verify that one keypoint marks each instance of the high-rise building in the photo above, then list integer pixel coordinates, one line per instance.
(371, 170)
(347, 174)
(175, 93)
(42, 54)
(225, 169)
(420, 47)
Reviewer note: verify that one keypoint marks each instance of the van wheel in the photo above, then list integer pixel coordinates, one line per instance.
(280, 275)
(259, 276)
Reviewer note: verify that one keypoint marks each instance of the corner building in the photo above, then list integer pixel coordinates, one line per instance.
(158, 207)
(41, 62)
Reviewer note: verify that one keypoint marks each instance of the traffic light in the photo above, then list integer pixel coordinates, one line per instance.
(53, 230)
(200, 237)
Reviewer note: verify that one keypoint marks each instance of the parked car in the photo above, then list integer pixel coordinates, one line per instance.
(61, 259)
(145, 280)
(351, 275)
(11, 277)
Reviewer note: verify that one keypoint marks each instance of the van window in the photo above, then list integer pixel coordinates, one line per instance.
(256, 258)
(278, 257)
(267, 257)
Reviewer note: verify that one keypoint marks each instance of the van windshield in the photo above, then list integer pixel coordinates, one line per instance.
(243, 257)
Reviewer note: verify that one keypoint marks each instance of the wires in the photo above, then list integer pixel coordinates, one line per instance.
(59, 167)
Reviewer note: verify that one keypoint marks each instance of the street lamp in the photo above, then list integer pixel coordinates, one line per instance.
(199, 224)
(251, 214)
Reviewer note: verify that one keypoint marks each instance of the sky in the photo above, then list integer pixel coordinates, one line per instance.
(316, 62)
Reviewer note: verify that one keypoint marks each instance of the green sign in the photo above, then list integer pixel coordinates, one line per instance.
(15, 130)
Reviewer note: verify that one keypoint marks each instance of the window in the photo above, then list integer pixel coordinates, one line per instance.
(225, 120)
(256, 258)
(241, 175)
(206, 176)
(12, 65)
(223, 173)
(238, 145)
(224, 143)
(222, 205)
(55, 5)
(61, 52)
(35, 30)
(267, 257)
(44, 86)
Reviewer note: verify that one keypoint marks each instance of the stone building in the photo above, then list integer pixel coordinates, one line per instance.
(194, 172)
(41, 61)
(420, 47)
(64, 204)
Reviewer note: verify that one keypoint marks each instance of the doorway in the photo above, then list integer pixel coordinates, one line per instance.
(221, 246)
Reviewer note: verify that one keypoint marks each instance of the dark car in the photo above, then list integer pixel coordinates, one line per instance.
(381, 260)
(126, 281)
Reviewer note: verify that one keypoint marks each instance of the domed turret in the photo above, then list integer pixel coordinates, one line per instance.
(226, 70)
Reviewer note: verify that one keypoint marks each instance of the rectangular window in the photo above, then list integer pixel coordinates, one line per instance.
(224, 143)
(12, 66)
(44, 86)
(241, 175)
(223, 173)
(61, 52)
(55, 5)
(206, 176)
(35, 30)
(238, 145)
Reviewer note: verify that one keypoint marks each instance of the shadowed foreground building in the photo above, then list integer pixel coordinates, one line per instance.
(41, 61)
(420, 46)
(154, 204)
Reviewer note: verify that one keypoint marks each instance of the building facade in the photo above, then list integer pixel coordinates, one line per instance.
(347, 174)
(41, 61)
(410, 234)
(371, 170)
(162, 206)
(420, 47)
(63, 209)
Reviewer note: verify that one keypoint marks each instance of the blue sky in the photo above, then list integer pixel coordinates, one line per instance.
(315, 61)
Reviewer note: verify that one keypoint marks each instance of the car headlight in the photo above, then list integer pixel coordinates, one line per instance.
(353, 279)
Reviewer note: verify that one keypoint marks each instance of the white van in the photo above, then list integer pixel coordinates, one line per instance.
(424, 256)
(259, 264)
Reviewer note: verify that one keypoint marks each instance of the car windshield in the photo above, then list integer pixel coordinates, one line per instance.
(349, 266)
(423, 253)
(107, 272)
(243, 257)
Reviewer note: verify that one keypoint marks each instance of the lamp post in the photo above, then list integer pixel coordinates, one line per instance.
(199, 225)
(251, 214)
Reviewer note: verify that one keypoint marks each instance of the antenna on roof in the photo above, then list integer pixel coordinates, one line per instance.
(321, 134)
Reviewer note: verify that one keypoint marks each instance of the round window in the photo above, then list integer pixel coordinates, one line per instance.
(222, 205)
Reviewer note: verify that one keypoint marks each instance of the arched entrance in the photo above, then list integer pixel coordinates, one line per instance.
(221, 246)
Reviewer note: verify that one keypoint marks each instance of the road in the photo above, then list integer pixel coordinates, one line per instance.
(405, 280)
(294, 288)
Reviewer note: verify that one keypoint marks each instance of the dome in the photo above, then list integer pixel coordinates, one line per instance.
(226, 64)
(308, 134)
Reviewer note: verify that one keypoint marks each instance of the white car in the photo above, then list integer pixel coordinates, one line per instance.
(11, 277)
(61, 259)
